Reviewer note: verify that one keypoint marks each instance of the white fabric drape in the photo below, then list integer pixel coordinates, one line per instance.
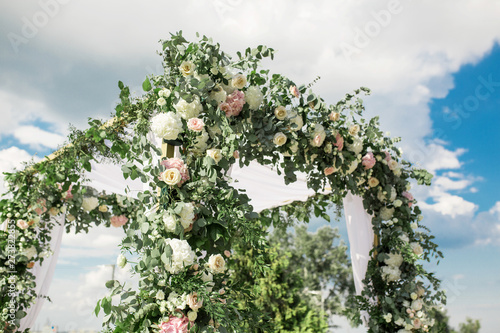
(360, 233)
(44, 273)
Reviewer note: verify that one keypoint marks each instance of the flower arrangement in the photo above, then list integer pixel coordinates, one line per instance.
(221, 111)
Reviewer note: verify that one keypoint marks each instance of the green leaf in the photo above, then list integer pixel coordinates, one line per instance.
(120, 85)
(144, 227)
(146, 85)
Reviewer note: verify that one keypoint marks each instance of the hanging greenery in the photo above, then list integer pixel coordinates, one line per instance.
(218, 111)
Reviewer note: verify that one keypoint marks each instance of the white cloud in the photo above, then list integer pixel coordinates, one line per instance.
(452, 205)
(37, 138)
(99, 242)
(495, 209)
(10, 159)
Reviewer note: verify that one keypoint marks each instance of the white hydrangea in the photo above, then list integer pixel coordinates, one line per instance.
(170, 222)
(167, 125)
(176, 301)
(356, 146)
(386, 213)
(182, 255)
(395, 259)
(189, 110)
(218, 94)
(390, 273)
(187, 215)
(30, 252)
(254, 97)
(90, 203)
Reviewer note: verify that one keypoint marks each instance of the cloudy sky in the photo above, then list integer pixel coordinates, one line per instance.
(432, 67)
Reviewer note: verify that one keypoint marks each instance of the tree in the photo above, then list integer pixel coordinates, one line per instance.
(322, 261)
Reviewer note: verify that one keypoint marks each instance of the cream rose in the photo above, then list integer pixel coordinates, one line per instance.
(417, 248)
(171, 176)
(354, 130)
(217, 264)
(215, 154)
(356, 146)
(164, 93)
(194, 302)
(372, 182)
(90, 203)
(161, 101)
(280, 112)
(334, 116)
(22, 224)
(103, 208)
(296, 119)
(279, 139)
(187, 68)
(239, 81)
(318, 135)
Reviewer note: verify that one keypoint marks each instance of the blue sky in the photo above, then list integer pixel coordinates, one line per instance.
(423, 61)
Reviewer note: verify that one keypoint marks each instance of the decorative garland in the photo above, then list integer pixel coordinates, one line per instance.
(219, 111)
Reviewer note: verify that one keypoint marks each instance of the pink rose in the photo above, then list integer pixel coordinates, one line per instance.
(339, 142)
(369, 161)
(40, 206)
(195, 124)
(22, 224)
(328, 171)
(227, 253)
(294, 91)
(408, 196)
(177, 163)
(388, 156)
(318, 140)
(236, 154)
(174, 325)
(118, 221)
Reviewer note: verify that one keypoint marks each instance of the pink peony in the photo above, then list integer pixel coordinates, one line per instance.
(339, 142)
(118, 221)
(294, 91)
(369, 161)
(174, 325)
(408, 196)
(233, 104)
(195, 124)
(177, 163)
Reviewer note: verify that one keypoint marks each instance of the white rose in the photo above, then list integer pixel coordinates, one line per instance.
(160, 295)
(296, 119)
(254, 97)
(121, 261)
(404, 238)
(239, 81)
(170, 222)
(167, 125)
(356, 146)
(217, 264)
(417, 305)
(280, 112)
(395, 259)
(30, 252)
(215, 154)
(187, 68)
(187, 215)
(90, 203)
(398, 203)
(397, 172)
(372, 182)
(189, 110)
(386, 213)
(161, 101)
(164, 93)
(393, 165)
(417, 248)
(279, 139)
(171, 176)
(192, 315)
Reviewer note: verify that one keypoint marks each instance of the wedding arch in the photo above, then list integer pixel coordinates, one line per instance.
(215, 118)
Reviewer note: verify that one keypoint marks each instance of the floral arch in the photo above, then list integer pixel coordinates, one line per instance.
(215, 112)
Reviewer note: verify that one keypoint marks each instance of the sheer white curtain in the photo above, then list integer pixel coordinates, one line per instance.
(43, 273)
(360, 232)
